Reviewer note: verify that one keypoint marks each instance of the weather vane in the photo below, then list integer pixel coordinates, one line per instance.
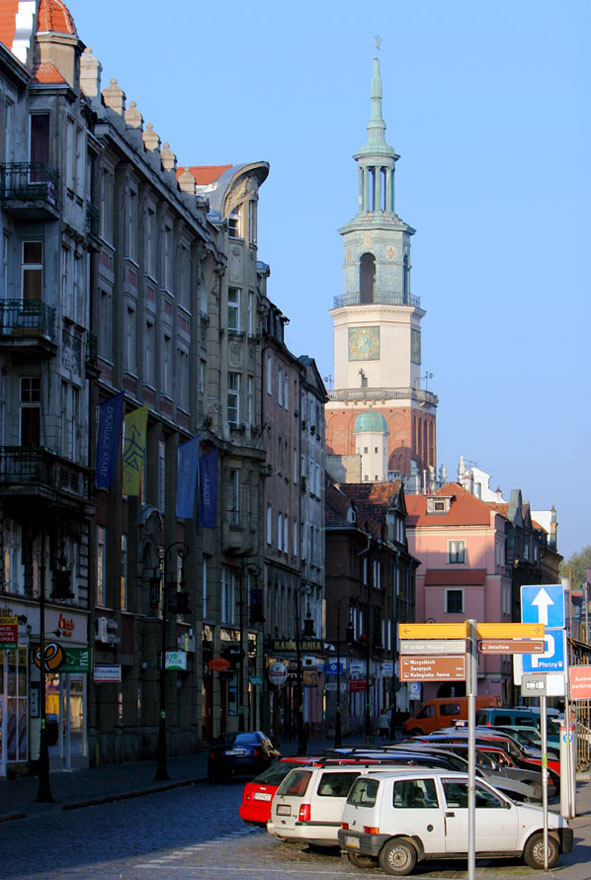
(378, 43)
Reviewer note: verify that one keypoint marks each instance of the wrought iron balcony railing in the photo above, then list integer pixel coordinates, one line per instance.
(29, 181)
(33, 467)
(368, 394)
(92, 219)
(26, 318)
(381, 297)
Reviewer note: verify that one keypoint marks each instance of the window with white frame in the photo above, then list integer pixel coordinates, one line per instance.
(123, 574)
(32, 270)
(105, 337)
(295, 465)
(14, 569)
(234, 225)
(286, 534)
(130, 353)
(132, 225)
(167, 257)
(280, 387)
(234, 308)
(149, 354)
(377, 574)
(30, 411)
(251, 313)
(269, 375)
(233, 497)
(161, 476)
(167, 365)
(234, 399)
(456, 552)
(183, 377)
(454, 601)
(228, 596)
(252, 221)
(280, 532)
(150, 241)
(269, 524)
(294, 546)
(286, 392)
(249, 400)
(101, 563)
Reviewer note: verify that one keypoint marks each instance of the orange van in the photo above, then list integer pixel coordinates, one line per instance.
(444, 712)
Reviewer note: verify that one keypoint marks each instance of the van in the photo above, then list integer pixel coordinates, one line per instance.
(506, 717)
(397, 820)
(444, 712)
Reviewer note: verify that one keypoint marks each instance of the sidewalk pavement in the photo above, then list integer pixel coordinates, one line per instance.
(80, 788)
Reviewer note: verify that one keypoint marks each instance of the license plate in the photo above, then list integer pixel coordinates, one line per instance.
(283, 810)
(262, 796)
(352, 841)
(235, 752)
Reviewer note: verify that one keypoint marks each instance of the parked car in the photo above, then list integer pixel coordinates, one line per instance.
(398, 819)
(238, 754)
(258, 793)
(307, 805)
(531, 737)
(443, 712)
(501, 716)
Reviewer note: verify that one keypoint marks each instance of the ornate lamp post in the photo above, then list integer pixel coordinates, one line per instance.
(338, 732)
(250, 569)
(178, 605)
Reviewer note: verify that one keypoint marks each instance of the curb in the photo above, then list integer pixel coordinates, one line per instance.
(111, 798)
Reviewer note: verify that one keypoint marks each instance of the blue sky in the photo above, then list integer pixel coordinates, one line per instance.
(487, 104)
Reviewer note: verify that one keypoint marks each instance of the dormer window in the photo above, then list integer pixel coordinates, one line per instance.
(351, 515)
(437, 504)
(234, 223)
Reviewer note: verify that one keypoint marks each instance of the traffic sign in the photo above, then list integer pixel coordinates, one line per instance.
(333, 668)
(432, 630)
(511, 646)
(552, 660)
(433, 668)
(580, 682)
(433, 646)
(534, 685)
(510, 630)
(543, 603)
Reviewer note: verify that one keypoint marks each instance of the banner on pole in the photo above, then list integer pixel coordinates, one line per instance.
(108, 438)
(186, 481)
(134, 449)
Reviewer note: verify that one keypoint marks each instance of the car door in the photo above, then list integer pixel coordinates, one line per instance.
(328, 798)
(416, 810)
(495, 819)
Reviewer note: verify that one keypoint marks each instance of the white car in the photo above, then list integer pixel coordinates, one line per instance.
(399, 819)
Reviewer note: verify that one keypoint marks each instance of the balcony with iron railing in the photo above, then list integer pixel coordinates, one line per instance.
(27, 324)
(366, 395)
(92, 219)
(382, 296)
(29, 189)
(37, 471)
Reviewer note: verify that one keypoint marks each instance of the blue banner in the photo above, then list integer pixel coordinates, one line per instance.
(208, 490)
(186, 479)
(108, 440)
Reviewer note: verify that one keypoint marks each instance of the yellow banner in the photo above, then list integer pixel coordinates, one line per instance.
(134, 449)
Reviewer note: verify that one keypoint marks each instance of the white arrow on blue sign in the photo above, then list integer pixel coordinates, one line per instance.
(552, 660)
(543, 603)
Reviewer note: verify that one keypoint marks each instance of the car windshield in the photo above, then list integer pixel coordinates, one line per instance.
(275, 774)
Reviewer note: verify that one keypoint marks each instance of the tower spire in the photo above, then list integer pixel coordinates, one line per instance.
(376, 127)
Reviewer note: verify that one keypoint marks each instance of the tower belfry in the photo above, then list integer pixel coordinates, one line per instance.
(377, 324)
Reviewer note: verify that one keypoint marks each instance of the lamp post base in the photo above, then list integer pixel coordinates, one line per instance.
(161, 769)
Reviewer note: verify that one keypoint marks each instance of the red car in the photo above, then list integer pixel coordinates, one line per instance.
(258, 794)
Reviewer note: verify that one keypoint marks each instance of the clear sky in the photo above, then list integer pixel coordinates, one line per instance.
(487, 103)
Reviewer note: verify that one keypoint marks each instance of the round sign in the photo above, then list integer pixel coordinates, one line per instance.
(277, 673)
(219, 664)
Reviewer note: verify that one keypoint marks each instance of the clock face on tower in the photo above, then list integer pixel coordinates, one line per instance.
(364, 343)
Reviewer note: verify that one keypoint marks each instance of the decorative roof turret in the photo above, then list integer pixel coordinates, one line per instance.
(376, 127)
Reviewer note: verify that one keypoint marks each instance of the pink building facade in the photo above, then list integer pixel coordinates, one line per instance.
(461, 543)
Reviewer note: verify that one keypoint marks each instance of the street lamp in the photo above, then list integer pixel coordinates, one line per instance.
(178, 605)
(338, 733)
(302, 745)
(250, 569)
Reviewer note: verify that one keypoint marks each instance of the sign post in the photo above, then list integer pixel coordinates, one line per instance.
(472, 683)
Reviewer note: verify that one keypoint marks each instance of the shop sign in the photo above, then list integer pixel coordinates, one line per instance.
(66, 626)
(310, 678)
(176, 660)
(8, 632)
(256, 680)
(356, 668)
(219, 664)
(357, 685)
(106, 673)
(76, 660)
(308, 645)
(277, 673)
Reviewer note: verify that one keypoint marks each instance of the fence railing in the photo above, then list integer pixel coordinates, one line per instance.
(381, 297)
(30, 181)
(22, 318)
(35, 466)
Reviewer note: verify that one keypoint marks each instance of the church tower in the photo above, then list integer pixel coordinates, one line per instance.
(377, 326)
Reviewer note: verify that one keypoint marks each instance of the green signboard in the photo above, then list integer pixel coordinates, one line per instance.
(76, 660)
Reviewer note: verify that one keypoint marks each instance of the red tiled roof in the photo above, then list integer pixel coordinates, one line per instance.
(371, 501)
(203, 174)
(8, 10)
(472, 577)
(55, 17)
(465, 509)
(47, 73)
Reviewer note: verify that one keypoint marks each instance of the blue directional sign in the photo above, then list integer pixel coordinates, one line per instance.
(543, 603)
(333, 668)
(553, 658)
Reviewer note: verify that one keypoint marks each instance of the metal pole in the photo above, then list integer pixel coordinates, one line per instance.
(368, 668)
(241, 664)
(299, 689)
(544, 731)
(472, 676)
(44, 795)
(338, 735)
(161, 768)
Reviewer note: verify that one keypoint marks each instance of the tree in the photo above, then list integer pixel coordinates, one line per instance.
(578, 563)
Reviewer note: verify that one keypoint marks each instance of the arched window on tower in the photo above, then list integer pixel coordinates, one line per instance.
(431, 448)
(420, 441)
(405, 279)
(367, 278)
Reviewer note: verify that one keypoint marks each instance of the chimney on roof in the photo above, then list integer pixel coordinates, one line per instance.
(133, 117)
(186, 182)
(90, 74)
(114, 97)
(150, 138)
(168, 158)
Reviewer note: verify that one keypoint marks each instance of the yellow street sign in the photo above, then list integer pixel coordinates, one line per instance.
(433, 630)
(510, 630)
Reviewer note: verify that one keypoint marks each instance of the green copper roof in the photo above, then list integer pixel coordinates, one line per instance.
(372, 422)
(376, 127)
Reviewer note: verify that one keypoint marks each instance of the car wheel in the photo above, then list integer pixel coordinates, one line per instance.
(533, 854)
(362, 861)
(398, 858)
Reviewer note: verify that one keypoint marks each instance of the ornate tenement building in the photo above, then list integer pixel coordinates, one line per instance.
(379, 419)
